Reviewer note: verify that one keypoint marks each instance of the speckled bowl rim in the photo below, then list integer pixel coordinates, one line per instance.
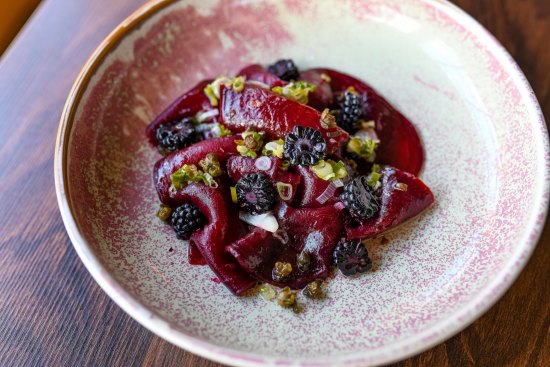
(391, 353)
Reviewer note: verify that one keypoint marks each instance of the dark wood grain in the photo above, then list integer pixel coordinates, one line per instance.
(51, 311)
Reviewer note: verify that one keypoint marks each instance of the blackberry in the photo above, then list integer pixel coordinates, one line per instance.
(284, 69)
(360, 199)
(186, 219)
(304, 146)
(351, 109)
(352, 257)
(255, 193)
(175, 135)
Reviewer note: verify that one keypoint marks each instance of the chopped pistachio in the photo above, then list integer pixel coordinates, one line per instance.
(314, 290)
(267, 292)
(364, 148)
(303, 261)
(328, 120)
(274, 148)
(164, 212)
(281, 271)
(233, 191)
(286, 298)
(296, 91)
(211, 165)
(330, 170)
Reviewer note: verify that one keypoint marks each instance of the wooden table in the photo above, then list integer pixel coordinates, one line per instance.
(52, 313)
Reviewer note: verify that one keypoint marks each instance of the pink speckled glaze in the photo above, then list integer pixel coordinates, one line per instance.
(487, 163)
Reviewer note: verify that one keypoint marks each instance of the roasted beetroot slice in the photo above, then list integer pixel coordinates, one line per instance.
(221, 230)
(237, 166)
(223, 148)
(187, 105)
(316, 231)
(311, 188)
(261, 109)
(260, 74)
(400, 144)
(322, 97)
(403, 197)
(256, 252)
(194, 256)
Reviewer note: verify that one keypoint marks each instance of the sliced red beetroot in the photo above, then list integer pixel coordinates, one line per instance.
(261, 109)
(403, 197)
(238, 165)
(400, 144)
(223, 148)
(187, 105)
(316, 231)
(194, 256)
(260, 74)
(322, 97)
(221, 230)
(311, 188)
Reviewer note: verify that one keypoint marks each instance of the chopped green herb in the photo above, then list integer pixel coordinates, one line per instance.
(212, 90)
(296, 91)
(374, 176)
(274, 148)
(189, 173)
(234, 198)
(252, 142)
(330, 170)
(364, 148)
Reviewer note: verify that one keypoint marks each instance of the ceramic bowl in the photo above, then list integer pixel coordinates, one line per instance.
(487, 163)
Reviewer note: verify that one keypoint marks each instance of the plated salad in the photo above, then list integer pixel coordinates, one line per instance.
(277, 175)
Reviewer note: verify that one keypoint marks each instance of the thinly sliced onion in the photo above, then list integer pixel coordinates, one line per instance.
(284, 190)
(263, 163)
(266, 221)
(205, 127)
(203, 116)
(338, 183)
(327, 194)
(282, 236)
(258, 84)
